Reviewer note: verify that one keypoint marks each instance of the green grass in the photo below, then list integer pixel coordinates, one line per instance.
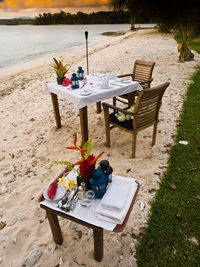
(174, 219)
(195, 42)
(195, 45)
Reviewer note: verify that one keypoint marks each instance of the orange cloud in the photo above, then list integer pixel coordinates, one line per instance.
(13, 4)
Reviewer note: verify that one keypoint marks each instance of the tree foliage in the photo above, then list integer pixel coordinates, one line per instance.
(134, 7)
(182, 16)
(102, 17)
(179, 15)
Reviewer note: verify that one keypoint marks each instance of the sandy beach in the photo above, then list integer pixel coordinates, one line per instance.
(30, 143)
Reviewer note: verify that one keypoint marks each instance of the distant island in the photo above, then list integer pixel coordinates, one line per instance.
(17, 21)
(101, 17)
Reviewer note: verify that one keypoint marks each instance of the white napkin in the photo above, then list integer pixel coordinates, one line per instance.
(117, 216)
(115, 196)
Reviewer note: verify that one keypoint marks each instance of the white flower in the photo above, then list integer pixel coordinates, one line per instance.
(122, 117)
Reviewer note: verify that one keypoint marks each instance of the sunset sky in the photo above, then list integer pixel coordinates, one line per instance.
(31, 8)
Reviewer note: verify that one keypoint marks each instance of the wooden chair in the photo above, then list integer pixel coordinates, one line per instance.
(145, 115)
(142, 73)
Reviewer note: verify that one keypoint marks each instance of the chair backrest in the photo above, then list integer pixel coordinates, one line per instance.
(147, 106)
(142, 71)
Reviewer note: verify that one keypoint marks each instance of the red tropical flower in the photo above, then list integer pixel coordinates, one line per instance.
(86, 163)
(86, 168)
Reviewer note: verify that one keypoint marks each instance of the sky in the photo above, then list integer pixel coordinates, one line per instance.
(31, 8)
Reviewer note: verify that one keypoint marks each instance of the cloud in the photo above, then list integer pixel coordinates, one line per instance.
(21, 4)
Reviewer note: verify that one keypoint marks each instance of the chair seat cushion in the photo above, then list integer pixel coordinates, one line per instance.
(125, 124)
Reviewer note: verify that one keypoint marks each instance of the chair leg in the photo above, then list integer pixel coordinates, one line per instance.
(98, 105)
(107, 126)
(133, 144)
(154, 134)
(114, 101)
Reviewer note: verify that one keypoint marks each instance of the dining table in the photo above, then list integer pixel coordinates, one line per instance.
(87, 216)
(88, 93)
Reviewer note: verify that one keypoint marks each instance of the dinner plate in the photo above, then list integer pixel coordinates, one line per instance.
(59, 193)
(126, 81)
(112, 76)
(86, 93)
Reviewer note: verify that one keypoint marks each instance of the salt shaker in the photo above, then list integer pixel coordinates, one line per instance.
(80, 192)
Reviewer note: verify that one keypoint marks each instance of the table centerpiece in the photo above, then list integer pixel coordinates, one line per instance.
(60, 70)
(83, 171)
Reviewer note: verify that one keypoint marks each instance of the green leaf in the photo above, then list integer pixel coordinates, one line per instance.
(88, 146)
(55, 61)
(67, 66)
(66, 163)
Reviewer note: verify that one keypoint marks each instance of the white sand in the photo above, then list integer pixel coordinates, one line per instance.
(30, 143)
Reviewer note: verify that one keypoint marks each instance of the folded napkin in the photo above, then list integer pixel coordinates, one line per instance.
(113, 215)
(115, 196)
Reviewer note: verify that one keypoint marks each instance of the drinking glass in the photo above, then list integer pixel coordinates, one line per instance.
(105, 81)
(88, 198)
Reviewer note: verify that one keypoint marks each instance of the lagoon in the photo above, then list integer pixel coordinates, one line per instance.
(20, 44)
(24, 43)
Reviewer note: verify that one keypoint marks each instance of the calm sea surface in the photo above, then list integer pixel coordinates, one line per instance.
(23, 43)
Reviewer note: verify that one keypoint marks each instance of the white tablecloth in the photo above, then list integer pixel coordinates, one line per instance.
(87, 214)
(98, 94)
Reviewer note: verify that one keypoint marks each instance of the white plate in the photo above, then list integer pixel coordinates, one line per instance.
(126, 81)
(115, 83)
(118, 79)
(86, 93)
(59, 193)
(112, 76)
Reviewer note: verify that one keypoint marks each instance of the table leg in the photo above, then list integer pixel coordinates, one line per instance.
(98, 105)
(54, 99)
(98, 244)
(84, 124)
(55, 227)
(131, 98)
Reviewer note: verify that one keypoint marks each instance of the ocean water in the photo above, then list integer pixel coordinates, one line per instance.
(24, 43)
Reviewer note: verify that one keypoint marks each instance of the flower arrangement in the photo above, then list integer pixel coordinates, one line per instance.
(59, 68)
(83, 167)
(125, 117)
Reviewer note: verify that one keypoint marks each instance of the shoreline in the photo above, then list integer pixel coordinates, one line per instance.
(37, 61)
(47, 59)
(31, 143)
(68, 45)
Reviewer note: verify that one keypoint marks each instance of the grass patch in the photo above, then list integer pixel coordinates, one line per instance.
(195, 44)
(172, 237)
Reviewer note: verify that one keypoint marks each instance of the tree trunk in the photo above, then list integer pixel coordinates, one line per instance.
(185, 53)
(132, 22)
(183, 46)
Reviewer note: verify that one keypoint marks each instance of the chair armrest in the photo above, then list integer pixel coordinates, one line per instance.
(106, 105)
(124, 75)
(147, 81)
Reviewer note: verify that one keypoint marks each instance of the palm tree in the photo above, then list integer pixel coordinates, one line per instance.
(133, 6)
(181, 16)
